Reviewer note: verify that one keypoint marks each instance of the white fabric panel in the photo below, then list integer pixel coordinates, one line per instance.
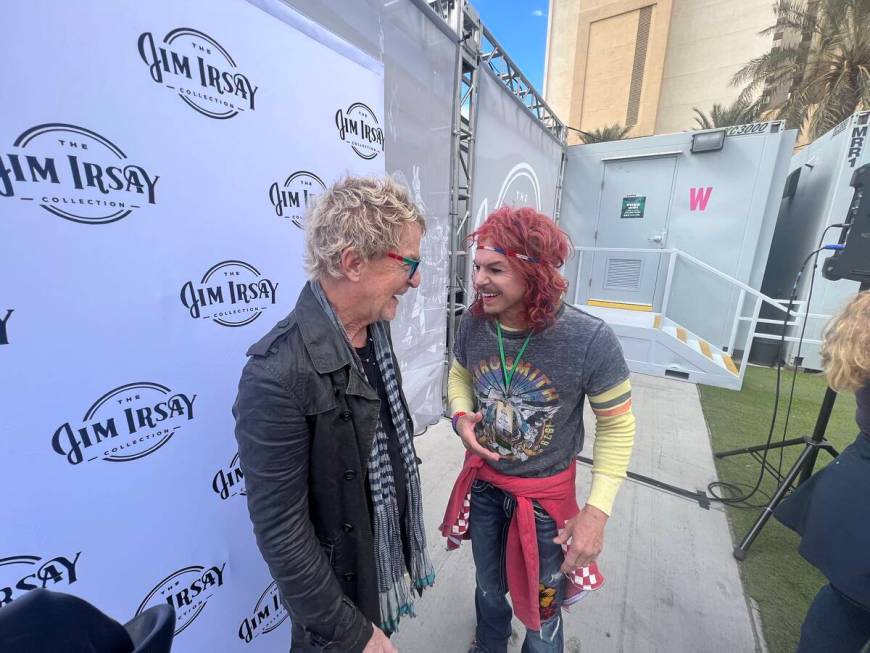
(419, 61)
(146, 242)
(516, 161)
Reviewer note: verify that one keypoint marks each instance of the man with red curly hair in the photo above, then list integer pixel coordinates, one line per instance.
(524, 363)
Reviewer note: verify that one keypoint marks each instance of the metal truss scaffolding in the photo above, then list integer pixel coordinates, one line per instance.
(477, 48)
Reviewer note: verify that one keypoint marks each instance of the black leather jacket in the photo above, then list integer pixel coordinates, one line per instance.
(305, 420)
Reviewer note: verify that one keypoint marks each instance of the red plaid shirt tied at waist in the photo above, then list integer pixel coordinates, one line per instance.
(556, 495)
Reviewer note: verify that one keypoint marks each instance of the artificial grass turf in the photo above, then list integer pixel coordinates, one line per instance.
(780, 581)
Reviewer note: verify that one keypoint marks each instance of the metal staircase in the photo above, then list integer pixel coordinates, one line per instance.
(658, 346)
(721, 359)
(655, 343)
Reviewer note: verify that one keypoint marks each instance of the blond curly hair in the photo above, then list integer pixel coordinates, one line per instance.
(846, 346)
(365, 213)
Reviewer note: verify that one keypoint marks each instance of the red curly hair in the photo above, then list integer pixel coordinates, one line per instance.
(526, 231)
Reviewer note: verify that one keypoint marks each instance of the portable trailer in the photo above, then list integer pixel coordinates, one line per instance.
(672, 234)
(817, 195)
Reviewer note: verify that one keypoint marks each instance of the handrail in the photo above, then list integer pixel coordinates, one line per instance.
(681, 254)
(742, 312)
(796, 314)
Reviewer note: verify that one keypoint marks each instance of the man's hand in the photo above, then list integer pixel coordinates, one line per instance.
(379, 643)
(584, 534)
(465, 427)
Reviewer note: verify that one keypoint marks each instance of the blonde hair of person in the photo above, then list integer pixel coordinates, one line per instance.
(365, 213)
(846, 346)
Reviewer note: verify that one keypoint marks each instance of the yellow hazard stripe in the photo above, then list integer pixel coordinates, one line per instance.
(626, 306)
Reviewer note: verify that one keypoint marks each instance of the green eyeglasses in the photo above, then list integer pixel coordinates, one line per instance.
(412, 263)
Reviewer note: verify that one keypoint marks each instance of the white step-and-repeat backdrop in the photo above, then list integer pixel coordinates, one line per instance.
(155, 163)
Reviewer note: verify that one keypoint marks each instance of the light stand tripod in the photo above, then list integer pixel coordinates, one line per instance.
(848, 262)
(802, 467)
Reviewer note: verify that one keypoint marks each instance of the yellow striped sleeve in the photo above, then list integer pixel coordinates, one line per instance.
(613, 402)
(460, 394)
(614, 440)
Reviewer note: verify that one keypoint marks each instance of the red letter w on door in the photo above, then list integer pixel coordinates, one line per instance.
(698, 198)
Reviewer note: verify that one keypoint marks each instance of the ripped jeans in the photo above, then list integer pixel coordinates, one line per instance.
(491, 511)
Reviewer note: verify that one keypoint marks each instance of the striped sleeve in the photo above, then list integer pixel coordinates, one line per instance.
(613, 402)
(614, 440)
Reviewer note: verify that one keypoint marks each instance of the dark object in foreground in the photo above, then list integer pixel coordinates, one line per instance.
(42, 621)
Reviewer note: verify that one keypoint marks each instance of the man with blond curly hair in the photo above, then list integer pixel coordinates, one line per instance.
(325, 434)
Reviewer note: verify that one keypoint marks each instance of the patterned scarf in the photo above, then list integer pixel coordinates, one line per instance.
(394, 590)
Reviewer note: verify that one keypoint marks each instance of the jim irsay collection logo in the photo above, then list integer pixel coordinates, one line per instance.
(230, 293)
(229, 482)
(200, 71)
(75, 174)
(359, 127)
(293, 198)
(125, 424)
(268, 614)
(187, 590)
(20, 574)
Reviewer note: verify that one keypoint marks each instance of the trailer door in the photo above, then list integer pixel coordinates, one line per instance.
(633, 213)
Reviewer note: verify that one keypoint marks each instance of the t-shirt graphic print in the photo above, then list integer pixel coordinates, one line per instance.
(518, 422)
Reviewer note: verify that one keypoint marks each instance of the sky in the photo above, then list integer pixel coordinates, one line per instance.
(520, 26)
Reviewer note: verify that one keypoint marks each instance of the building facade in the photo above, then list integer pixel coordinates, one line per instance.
(647, 63)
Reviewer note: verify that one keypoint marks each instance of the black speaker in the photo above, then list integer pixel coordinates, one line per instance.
(853, 261)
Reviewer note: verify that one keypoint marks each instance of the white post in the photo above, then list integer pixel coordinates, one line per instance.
(750, 337)
(672, 261)
(579, 271)
(736, 322)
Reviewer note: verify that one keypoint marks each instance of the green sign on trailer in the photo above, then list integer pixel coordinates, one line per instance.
(633, 206)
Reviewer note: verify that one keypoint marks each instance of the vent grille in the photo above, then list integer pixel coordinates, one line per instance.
(640, 47)
(623, 274)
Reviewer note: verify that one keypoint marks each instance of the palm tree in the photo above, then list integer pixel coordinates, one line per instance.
(738, 113)
(612, 132)
(826, 76)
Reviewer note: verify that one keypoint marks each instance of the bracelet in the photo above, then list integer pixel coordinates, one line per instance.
(455, 419)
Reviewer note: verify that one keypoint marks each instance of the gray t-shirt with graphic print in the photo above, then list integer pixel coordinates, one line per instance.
(537, 426)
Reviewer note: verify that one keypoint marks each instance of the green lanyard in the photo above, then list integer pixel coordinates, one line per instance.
(509, 373)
